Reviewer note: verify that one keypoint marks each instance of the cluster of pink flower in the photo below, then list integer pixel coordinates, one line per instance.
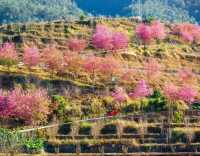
(77, 45)
(141, 90)
(31, 106)
(186, 93)
(8, 54)
(146, 33)
(188, 32)
(104, 38)
(105, 65)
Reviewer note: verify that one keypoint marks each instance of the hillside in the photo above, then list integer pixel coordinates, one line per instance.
(100, 86)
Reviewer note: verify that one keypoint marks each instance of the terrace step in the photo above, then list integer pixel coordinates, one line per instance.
(122, 148)
(111, 136)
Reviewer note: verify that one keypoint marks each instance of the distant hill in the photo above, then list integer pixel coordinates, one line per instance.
(120, 7)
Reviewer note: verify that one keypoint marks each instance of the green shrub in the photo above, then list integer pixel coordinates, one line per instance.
(157, 102)
(196, 106)
(62, 106)
(178, 117)
(34, 145)
(10, 141)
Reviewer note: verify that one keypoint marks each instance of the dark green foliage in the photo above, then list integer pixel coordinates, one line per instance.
(196, 106)
(36, 10)
(157, 102)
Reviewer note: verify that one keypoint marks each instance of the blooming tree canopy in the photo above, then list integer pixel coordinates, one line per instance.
(31, 56)
(188, 32)
(142, 90)
(31, 106)
(152, 68)
(119, 95)
(104, 38)
(52, 58)
(144, 33)
(77, 45)
(187, 94)
(8, 54)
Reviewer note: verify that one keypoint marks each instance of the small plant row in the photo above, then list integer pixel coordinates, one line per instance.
(14, 142)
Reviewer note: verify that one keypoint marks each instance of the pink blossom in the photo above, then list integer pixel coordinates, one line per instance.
(158, 30)
(31, 56)
(187, 94)
(119, 95)
(141, 90)
(77, 45)
(102, 38)
(109, 65)
(92, 63)
(145, 33)
(171, 91)
(8, 52)
(188, 32)
(186, 75)
(31, 106)
(4, 113)
(119, 41)
(152, 68)
(128, 75)
(52, 58)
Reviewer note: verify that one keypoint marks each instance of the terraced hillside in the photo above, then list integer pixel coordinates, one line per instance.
(137, 99)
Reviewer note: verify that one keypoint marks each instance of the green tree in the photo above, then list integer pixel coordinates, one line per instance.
(37, 10)
(163, 10)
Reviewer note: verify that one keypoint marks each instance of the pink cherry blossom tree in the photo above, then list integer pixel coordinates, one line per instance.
(73, 62)
(52, 58)
(77, 45)
(30, 106)
(171, 91)
(149, 32)
(152, 69)
(158, 30)
(187, 94)
(109, 66)
(187, 32)
(31, 56)
(187, 76)
(91, 64)
(102, 38)
(145, 34)
(128, 76)
(119, 41)
(8, 55)
(141, 90)
(119, 95)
